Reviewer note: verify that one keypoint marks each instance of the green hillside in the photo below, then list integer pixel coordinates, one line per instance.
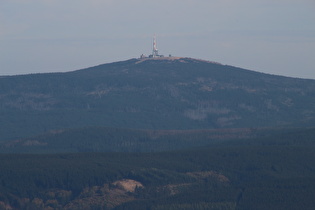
(272, 172)
(179, 93)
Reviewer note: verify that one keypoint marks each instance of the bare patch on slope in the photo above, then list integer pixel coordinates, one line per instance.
(128, 185)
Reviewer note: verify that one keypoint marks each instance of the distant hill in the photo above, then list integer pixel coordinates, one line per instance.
(170, 93)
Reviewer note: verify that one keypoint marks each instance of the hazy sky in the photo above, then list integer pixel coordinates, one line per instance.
(272, 36)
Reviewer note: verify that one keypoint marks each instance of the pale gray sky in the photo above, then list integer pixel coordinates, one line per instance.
(271, 36)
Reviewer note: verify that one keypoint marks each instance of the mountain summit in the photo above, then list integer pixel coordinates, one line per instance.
(156, 93)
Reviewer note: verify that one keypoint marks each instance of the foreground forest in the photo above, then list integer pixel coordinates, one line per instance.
(271, 172)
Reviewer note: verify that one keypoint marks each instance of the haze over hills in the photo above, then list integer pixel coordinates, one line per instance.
(163, 93)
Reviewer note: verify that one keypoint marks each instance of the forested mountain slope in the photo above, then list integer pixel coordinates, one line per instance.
(271, 172)
(170, 93)
(103, 139)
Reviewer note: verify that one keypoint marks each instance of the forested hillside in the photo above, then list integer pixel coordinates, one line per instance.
(102, 139)
(271, 172)
(170, 93)
(166, 133)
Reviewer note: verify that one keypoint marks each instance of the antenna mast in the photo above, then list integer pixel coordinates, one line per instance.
(155, 52)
